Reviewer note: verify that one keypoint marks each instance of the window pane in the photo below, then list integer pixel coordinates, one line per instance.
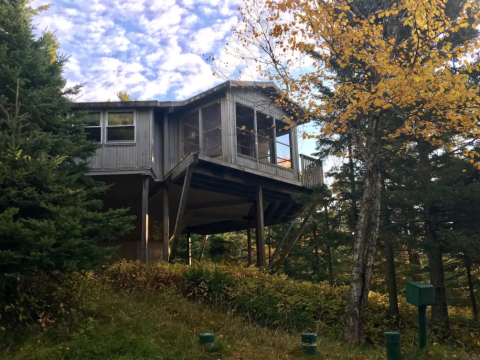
(191, 140)
(265, 138)
(121, 133)
(92, 119)
(94, 134)
(283, 148)
(120, 118)
(212, 133)
(245, 134)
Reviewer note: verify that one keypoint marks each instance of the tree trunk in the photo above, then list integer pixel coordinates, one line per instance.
(364, 249)
(468, 266)
(414, 260)
(316, 261)
(353, 191)
(435, 265)
(391, 280)
(433, 247)
(329, 250)
(393, 311)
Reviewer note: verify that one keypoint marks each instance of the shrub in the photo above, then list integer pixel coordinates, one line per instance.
(277, 301)
(44, 300)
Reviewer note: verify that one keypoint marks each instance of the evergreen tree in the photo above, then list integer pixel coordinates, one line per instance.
(50, 216)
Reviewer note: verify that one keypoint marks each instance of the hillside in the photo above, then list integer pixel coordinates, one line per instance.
(166, 326)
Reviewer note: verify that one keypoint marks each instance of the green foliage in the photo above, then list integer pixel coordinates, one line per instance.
(47, 299)
(51, 218)
(277, 301)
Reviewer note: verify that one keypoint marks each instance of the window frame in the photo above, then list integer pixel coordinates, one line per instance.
(201, 146)
(275, 118)
(106, 126)
(96, 127)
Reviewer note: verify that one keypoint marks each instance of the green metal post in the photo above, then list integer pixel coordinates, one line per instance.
(422, 326)
(207, 339)
(309, 344)
(394, 349)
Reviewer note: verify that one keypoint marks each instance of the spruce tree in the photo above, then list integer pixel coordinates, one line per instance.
(50, 216)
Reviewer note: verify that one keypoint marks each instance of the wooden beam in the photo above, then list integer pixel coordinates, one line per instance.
(271, 208)
(280, 244)
(144, 237)
(217, 204)
(181, 212)
(188, 163)
(260, 230)
(249, 242)
(283, 209)
(266, 183)
(166, 226)
(289, 246)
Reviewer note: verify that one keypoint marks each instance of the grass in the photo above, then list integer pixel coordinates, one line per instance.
(166, 327)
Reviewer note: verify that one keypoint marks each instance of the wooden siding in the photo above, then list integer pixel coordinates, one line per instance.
(157, 146)
(128, 156)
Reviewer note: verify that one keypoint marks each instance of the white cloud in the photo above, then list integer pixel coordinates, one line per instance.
(149, 48)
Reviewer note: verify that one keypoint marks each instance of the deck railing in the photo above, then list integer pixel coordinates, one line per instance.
(312, 171)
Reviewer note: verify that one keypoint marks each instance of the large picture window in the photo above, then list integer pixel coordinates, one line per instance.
(120, 127)
(93, 126)
(245, 130)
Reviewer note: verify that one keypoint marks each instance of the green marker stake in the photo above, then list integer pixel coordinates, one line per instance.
(207, 339)
(309, 344)
(394, 349)
(422, 327)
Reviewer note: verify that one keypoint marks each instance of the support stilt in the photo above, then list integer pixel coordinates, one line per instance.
(189, 245)
(144, 237)
(181, 211)
(166, 226)
(203, 247)
(260, 229)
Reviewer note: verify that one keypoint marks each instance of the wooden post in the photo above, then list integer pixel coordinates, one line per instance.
(144, 237)
(249, 242)
(181, 211)
(166, 226)
(203, 247)
(260, 229)
(189, 245)
(292, 243)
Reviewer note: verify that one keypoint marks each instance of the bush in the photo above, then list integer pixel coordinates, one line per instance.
(277, 301)
(44, 300)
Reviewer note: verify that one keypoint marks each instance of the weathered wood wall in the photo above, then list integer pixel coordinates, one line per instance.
(128, 156)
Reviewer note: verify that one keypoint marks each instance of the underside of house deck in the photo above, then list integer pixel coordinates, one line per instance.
(204, 196)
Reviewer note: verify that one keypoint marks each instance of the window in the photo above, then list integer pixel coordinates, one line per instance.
(265, 138)
(120, 127)
(283, 146)
(93, 127)
(212, 130)
(191, 139)
(245, 130)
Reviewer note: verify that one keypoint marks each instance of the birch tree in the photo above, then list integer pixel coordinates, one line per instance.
(375, 70)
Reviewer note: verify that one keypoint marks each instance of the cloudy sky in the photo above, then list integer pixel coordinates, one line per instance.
(153, 49)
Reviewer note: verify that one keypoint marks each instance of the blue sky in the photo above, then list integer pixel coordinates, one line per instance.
(153, 49)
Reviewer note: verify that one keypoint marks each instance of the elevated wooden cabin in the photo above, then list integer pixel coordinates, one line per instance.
(221, 161)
